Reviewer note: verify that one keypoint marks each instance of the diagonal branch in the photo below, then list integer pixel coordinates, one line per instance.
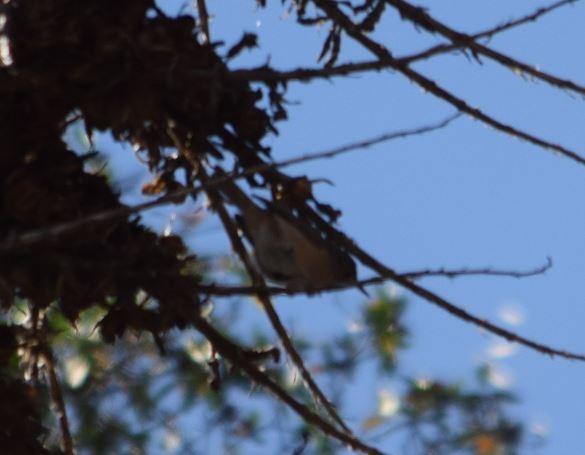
(421, 18)
(58, 401)
(489, 33)
(264, 299)
(258, 280)
(232, 353)
(384, 55)
(38, 235)
(264, 73)
(435, 299)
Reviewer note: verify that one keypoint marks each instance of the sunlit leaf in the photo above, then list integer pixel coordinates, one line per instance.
(76, 370)
(388, 403)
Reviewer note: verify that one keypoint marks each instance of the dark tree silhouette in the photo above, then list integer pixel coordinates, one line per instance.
(82, 279)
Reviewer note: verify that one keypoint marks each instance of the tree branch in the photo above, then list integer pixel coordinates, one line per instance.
(428, 85)
(258, 280)
(59, 403)
(231, 352)
(226, 291)
(488, 271)
(460, 40)
(204, 20)
(456, 311)
(264, 74)
(264, 299)
(489, 33)
(38, 235)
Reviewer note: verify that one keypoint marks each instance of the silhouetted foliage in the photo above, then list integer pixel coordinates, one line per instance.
(118, 311)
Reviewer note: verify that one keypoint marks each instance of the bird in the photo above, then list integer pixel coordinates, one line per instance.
(287, 252)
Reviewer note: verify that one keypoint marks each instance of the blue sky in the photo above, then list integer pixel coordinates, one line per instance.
(465, 196)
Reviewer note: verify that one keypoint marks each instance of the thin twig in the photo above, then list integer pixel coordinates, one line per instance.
(228, 291)
(421, 18)
(380, 51)
(429, 85)
(38, 235)
(489, 33)
(481, 272)
(263, 74)
(370, 142)
(57, 398)
(435, 299)
(231, 352)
